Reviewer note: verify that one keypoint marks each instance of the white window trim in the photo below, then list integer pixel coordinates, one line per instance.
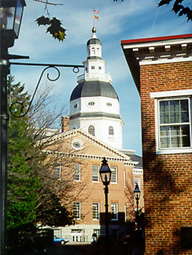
(98, 210)
(79, 210)
(55, 169)
(178, 94)
(117, 214)
(125, 213)
(116, 175)
(98, 173)
(79, 172)
(174, 93)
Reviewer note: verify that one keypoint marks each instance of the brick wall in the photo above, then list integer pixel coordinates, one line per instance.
(167, 178)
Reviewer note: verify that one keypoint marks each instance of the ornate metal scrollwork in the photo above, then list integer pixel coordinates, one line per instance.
(17, 108)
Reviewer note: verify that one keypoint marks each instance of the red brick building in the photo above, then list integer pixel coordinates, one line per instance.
(162, 71)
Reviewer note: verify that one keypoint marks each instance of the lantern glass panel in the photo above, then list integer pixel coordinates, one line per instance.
(105, 177)
(18, 16)
(7, 17)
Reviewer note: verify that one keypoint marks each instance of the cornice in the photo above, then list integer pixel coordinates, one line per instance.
(170, 51)
(159, 50)
(94, 114)
(90, 157)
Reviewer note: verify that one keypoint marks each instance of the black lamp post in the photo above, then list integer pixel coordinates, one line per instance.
(10, 20)
(105, 174)
(137, 193)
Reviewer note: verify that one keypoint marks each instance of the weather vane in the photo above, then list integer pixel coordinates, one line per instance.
(95, 16)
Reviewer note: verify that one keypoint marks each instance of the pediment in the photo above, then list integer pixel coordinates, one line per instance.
(78, 143)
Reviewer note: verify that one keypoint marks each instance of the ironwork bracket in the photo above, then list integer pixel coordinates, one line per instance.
(20, 105)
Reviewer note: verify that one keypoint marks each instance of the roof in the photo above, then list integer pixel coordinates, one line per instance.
(154, 39)
(145, 51)
(93, 89)
(136, 158)
(93, 41)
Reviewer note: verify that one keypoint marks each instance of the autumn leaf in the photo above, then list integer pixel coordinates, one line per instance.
(42, 20)
(162, 2)
(56, 30)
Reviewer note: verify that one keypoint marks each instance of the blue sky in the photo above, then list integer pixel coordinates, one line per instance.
(118, 21)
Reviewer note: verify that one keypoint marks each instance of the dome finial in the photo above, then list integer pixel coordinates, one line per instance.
(93, 29)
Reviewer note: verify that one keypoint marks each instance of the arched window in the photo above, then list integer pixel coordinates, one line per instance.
(91, 130)
(93, 50)
(111, 130)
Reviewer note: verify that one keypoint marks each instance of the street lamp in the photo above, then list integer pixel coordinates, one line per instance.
(137, 193)
(11, 12)
(10, 20)
(105, 174)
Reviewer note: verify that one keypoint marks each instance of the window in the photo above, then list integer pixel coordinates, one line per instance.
(174, 123)
(96, 211)
(125, 212)
(91, 130)
(76, 172)
(77, 210)
(57, 171)
(95, 173)
(77, 144)
(113, 174)
(93, 51)
(75, 106)
(91, 103)
(111, 130)
(114, 211)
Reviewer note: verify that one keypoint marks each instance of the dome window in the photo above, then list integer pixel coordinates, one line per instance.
(109, 104)
(92, 67)
(93, 51)
(91, 130)
(111, 130)
(100, 68)
(91, 103)
(75, 106)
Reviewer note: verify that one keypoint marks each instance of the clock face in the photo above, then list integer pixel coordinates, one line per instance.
(77, 144)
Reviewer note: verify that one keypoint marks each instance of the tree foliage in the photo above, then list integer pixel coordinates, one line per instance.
(21, 201)
(180, 7)
(34, 195)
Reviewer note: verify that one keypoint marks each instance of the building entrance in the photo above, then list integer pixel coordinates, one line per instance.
(77, 235)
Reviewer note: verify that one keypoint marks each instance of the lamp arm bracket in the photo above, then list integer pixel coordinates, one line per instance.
(17, 106)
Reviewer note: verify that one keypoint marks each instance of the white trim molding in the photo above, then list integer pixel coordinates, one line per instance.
(162, 94)
(169, 95)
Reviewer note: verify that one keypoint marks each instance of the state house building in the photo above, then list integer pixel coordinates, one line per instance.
(92, 131)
